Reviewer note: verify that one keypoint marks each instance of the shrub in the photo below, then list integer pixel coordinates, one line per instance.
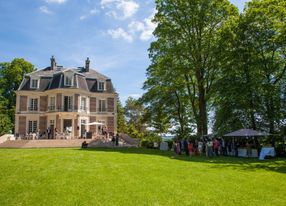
(149, 140)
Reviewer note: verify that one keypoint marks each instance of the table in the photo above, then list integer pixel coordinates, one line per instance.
(266, 151)
(242, 152)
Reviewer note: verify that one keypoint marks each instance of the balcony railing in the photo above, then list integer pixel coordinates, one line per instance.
(101, 110)
(33, 109)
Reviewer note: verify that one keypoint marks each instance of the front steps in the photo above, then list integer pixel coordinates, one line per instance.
(51, 143)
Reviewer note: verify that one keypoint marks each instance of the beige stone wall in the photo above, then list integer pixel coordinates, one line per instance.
(22, 125)
(76, 101)
(110, 124)
(92, 128)
(110, 104)
(59, 101)
(91, 115)
(43, 123)
(75, 128)
(23, 103)
(58, 123)
(92, 104)
(43, 103)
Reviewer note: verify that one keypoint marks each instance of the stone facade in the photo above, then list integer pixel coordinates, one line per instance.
(65, 100)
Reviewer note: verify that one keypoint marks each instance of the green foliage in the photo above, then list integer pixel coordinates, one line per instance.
(250, 92)
(184, 62)
(149, 140)
(11, 75)
(121, 122)
(6, 125)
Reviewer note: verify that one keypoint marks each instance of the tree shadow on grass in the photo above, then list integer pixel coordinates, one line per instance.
(236, 163)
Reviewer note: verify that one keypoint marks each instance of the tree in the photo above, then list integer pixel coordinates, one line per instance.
(188, 41)
(11, 75)
(252, 83)
(121, 122)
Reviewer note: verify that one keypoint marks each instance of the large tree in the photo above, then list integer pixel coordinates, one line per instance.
(11, 75)
(187, 39)
(252, 83)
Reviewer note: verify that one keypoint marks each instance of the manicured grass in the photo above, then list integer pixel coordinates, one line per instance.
(136, 177)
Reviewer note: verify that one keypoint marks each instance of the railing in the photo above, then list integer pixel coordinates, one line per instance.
(33, 109)
(51, 108)
(83, 108)
(101, 110)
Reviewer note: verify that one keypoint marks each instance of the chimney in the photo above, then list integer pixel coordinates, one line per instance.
(53, 63)
(87, 65)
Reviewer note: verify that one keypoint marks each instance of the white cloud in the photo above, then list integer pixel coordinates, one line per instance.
(92, 12)
(120, 33)
(56, 1)
(147, 33)
(120, 9)
(144, 28)
(45, 10)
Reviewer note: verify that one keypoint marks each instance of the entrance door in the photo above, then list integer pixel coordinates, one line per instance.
(68, 127)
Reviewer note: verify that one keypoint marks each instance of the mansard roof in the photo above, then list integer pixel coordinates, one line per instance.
(54, 79)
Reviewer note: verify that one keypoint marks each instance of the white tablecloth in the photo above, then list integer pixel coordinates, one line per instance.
(266, 151)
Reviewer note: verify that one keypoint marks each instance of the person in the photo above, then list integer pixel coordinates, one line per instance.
(209, 148)
(113, 140)
(84, 144)
(248, 149)
(117, 139)
(49, 132)
(186, 147)
(178, 147)
(200, 147)
(190, 148)
(216, 146)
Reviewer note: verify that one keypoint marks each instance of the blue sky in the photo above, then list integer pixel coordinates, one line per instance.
(114, 34)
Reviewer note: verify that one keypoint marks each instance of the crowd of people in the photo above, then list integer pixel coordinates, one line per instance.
(212, 147)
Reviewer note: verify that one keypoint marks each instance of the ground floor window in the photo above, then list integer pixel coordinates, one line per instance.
(32, 127)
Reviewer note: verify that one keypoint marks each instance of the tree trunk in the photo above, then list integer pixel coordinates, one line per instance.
(203, 122)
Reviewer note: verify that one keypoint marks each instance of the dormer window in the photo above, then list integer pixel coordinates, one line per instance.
(68, 79)
(34, 83)
(101, 86)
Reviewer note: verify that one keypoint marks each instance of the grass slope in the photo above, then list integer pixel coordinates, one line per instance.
(136, 177)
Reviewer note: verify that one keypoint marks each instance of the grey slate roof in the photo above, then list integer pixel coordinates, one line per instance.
(54, 79)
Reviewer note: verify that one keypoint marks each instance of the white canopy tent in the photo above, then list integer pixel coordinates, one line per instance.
(95, 123)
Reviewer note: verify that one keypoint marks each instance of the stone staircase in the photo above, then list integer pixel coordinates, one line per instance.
(52, 143)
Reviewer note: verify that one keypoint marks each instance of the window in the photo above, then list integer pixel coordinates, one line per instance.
(101, 86)
(52, 103)
(34, 83)
(52, 122)
(67, 103)
(68, 79)
(102, 105)
(83, 104)
(33, 105)
(32, 127)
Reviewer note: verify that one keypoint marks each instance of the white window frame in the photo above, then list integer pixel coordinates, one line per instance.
(52, 105)
(70, 102)
(31, 83)
(32, 105)
(32, 126)
(83, 107)
(100, 107)
(100, 88)
(69, 83)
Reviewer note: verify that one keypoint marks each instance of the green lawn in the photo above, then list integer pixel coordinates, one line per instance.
(136, 177)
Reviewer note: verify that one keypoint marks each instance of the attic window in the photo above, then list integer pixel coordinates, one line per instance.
(34, 83)
(68, 79)
(101, 86)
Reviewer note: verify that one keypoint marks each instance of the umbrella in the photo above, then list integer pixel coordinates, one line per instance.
(95, 123)
(246, 133)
